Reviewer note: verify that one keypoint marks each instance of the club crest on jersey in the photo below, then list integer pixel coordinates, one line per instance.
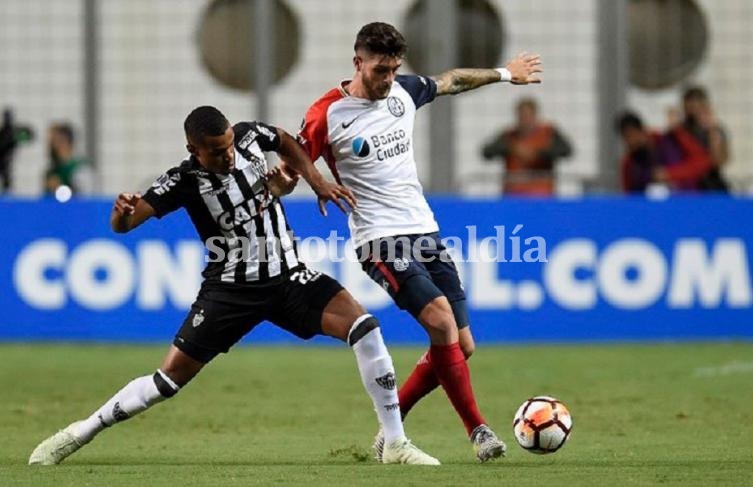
(258, 166)
(395, 106)
(360, 147)
(401, 264)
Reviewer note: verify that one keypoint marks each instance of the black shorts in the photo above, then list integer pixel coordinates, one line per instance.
(223, 313)
(415, 270)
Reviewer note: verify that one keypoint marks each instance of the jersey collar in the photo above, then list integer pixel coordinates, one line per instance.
(344, 92)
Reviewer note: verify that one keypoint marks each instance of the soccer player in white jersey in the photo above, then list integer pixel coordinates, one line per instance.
(254, 275)
(363, 128)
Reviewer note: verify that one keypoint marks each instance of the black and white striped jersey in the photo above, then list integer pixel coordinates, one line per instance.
(242, 225)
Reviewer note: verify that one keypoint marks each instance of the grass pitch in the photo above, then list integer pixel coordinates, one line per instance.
(644, 415)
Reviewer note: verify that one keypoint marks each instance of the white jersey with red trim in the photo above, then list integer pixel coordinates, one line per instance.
(368, 146)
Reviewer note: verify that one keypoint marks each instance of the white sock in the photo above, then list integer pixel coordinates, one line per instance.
(378, 377)
(137, 396)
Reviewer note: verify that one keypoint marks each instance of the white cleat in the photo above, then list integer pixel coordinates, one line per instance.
(486, 444)
(56, 448)
(403, 451)
(378, 446)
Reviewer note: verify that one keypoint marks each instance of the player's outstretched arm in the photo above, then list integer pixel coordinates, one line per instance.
(521, 70)
(129, 211)
(296, 160)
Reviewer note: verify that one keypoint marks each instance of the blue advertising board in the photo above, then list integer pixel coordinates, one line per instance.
(590, 269)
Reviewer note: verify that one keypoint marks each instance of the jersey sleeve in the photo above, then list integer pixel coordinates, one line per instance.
(266, 136)
(167, 193)
(313, 134)
(423, 90)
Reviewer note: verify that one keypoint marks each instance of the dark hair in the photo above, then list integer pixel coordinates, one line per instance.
(628, 120)
(205, 121)
(66, 130)
(381, 38)
(528, 102)
(695, 93)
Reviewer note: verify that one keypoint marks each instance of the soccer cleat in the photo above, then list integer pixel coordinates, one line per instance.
(486, 444)
(403, 451)
(378, 446)
(56, 448)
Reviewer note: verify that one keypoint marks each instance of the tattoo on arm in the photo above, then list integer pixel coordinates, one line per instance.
(459, 80)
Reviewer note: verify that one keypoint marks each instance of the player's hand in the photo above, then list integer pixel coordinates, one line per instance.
(125, 204)
(279, 182)
(335, 193)
(524, 69)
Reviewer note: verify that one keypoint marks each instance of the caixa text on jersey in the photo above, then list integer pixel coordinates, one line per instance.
(239, 215)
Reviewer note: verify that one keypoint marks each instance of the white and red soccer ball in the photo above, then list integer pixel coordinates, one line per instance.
(542, 425)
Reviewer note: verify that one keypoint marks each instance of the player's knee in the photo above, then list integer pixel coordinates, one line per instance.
(441, 322)
(437, 317)
(165, 385)
(440, 325)
(362, 327)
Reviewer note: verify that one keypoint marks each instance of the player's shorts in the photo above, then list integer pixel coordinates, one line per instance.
(415, 270)
(223, 313)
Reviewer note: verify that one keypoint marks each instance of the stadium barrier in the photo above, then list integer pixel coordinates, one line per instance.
(590, 269)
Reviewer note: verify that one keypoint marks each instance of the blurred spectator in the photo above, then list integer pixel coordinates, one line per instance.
(10, 136)
(701, 122)
(674, 158)
(65, 169)
(529, 150)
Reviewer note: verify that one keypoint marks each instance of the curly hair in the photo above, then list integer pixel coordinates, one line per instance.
(203, 121)
(381, 38)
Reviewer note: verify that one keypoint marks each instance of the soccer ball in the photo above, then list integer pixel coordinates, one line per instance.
(542, 425)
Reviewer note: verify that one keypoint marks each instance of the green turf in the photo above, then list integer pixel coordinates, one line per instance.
(663, 414)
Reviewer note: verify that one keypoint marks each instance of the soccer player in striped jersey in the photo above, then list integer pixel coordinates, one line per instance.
(363, 128)
(254, 275)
